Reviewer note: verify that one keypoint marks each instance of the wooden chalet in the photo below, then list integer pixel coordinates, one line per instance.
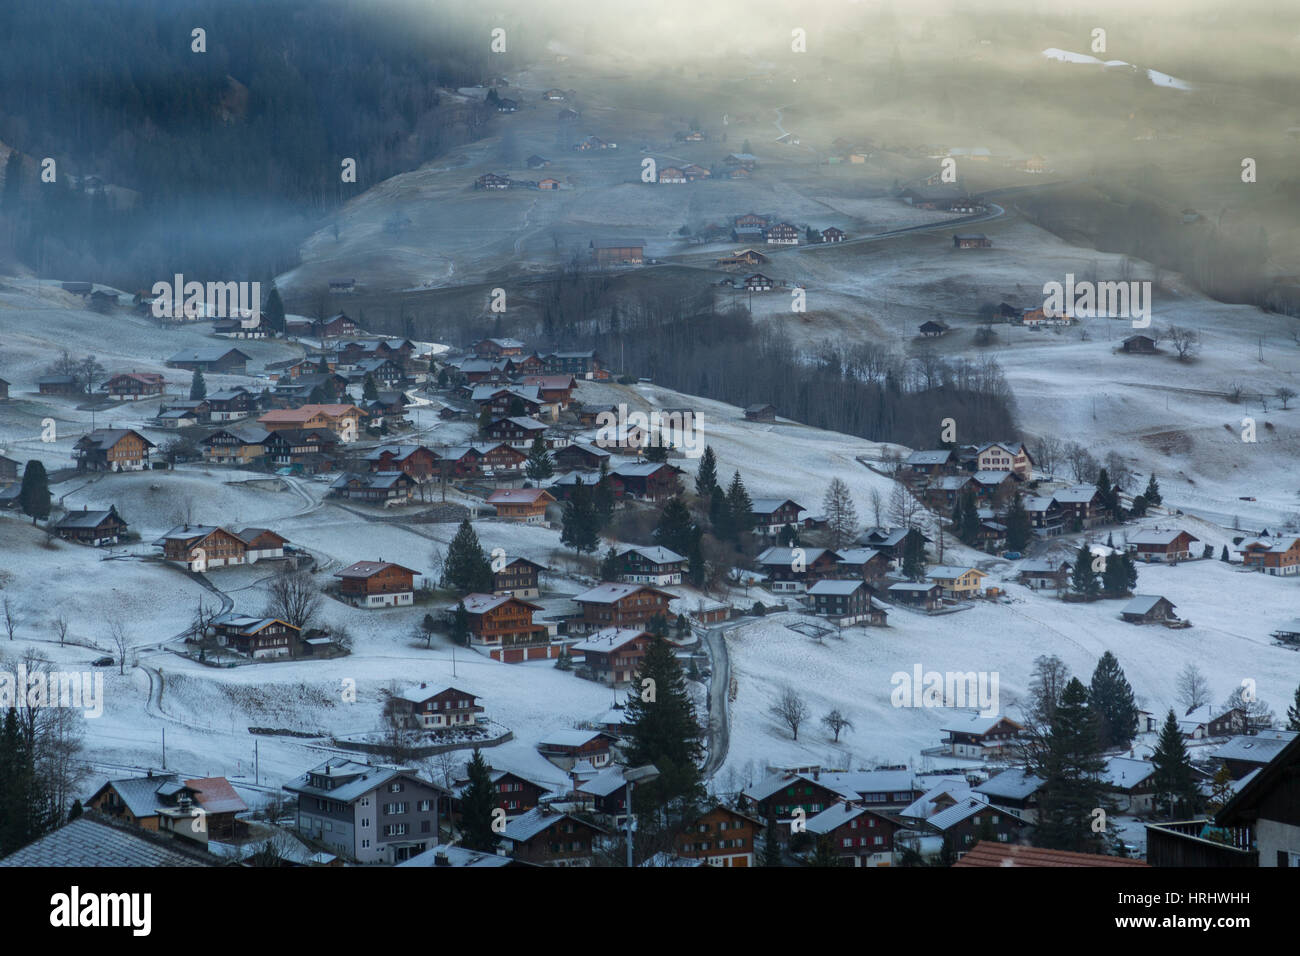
(258, 638)
(564, 748)
(416, 461)
(94, 528)
(846, 603)
(621, 605)
(202, 548)
(721, 837)
(218, 359)
(971, 240)
(859, 835)
(112, 449)
(376, 487)
(133, 386)
(613, 655)
(544, 837)
(517, 578)
(379, 583)
(1148, 609)
(1155, 545)
(648, 481)
(794, 570)
(428, 709)
(650, 565)
(501, 626)
(59, 385)
(773, 514)
(580, 456)
(1278, 556)
(527, 505)
(979, 736)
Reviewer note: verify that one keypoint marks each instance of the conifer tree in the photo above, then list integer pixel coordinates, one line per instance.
(370, 391)
(476, 804)
(706, 478)
(913, 555)
(467, 569)
(1083, 579)
(740, 509)
(539, 465)
(1114, 579)
(841, 515)
(198, 387)
(970, 519)
(1019, 527)
(610, 566)
(1152, 493)
(1174, 782)
(460, 625)
(580, 529)
(602, 498)
(34, 493)
(1111, 698)
(1223, 555)
(771, 846)
(676, 529)
(273, 311)
(1071, 772)
(1293, 712)
(662, 729)
(788, 536)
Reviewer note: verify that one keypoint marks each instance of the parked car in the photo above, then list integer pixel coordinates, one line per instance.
(1011, 555)
(102, 662)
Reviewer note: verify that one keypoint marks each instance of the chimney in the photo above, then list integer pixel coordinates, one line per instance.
(440, 857)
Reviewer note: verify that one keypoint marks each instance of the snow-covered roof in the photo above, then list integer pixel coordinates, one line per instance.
(607, 640)
(655, 555)
(836, 587)
(856, 555)
(785, 556)
(943, 572)
(1079, 494)
(766, 506)
(923, 807)
(1153, 536)
(974, 724)
(962, 810)
(937, 457)
(610, 593)
(1014, 784)
(1260, 748)
(1125, 773)
(570, 738)
(1142, 604)
(452, 855)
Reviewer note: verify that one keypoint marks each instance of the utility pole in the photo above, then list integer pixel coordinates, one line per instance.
(257, 764)
(164, 748)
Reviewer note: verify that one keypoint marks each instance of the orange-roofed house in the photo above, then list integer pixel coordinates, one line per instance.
(990, 854)
(343, 420)
(521, 504)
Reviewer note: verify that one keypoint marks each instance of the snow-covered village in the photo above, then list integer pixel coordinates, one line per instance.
(561, 449)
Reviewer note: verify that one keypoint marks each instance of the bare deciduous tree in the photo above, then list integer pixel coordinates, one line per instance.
(294, 598)
(791, 710)
(877, 506)
(904, 510)
(1047, 452)
(1284, 395)
(121, 641)
(10, 617)
(61, 628)
(837, 723)
(1185, 342)
(1192, 690)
